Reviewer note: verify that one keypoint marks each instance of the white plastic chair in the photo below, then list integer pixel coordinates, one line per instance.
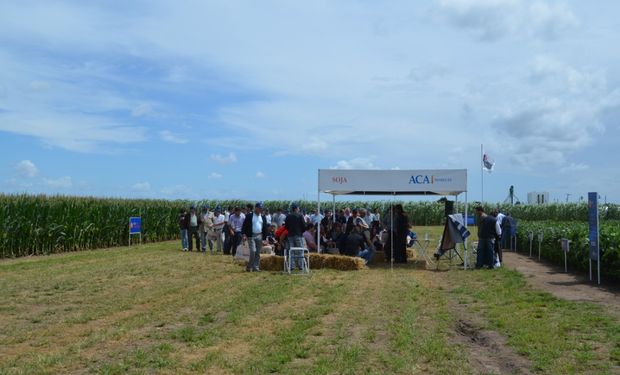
(295, 255)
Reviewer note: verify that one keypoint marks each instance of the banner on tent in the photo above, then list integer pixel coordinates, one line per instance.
(421, 181)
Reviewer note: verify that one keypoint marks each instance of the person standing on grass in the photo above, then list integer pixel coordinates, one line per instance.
(183, 226)
(255, 230)
(295, 226)
(226, 230)
(236, 225)
(217, 228)
(488, 229)
(205, 227)
(194, 220)
(401, 229)
(498, 238)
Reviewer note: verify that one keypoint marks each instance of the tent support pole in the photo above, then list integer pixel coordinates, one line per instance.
(465, 242)
(318, 227)
(392, 235)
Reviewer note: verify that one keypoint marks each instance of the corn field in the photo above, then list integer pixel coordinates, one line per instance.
(40, 224)
(577, 232)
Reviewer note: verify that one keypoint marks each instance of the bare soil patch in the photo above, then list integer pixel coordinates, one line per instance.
(569, 286)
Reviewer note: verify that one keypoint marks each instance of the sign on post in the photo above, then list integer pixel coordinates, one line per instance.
(593, 236)
(135, 228)
(565, 243)
(540, 240)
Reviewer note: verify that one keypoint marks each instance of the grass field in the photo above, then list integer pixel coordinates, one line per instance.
(154, 309)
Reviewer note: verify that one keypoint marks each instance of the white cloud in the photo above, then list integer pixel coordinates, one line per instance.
(26, 168)
(171, 137)
(231, 158)
(355, 163)
(214, 176)
(74, 132)
(491, 20)
(260, 174)
(488, 19)
(58, 183)
(551, 20)
(557, 114)
(141, 187)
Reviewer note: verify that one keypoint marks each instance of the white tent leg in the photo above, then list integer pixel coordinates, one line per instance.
(318, 227)
(392, 235)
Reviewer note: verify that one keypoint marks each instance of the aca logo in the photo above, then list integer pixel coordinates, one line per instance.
(339, 180)
(422, 179)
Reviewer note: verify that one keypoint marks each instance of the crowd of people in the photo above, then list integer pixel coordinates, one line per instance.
(352, 232)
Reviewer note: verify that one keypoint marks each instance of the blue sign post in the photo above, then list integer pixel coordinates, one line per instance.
(135, 228)
(595, 251)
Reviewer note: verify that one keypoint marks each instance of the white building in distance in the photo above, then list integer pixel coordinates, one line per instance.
(538, 197)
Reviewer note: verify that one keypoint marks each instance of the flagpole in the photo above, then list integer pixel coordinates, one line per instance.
(481, 174)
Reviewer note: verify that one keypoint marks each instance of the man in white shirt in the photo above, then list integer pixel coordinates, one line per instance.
(235, 223)
(255, 230)
(217, 228)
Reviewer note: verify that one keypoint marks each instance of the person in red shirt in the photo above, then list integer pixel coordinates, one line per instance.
(281, 236)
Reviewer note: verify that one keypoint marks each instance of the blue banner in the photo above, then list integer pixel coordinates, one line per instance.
(135, 225)
(593, 224)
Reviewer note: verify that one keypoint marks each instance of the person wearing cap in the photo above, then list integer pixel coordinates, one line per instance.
(205, 227)
(216, 230)
(255, 230)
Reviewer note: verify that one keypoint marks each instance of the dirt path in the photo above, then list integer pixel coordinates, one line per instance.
(569, 286)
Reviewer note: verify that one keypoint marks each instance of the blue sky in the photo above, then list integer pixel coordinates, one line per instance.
(247, 99)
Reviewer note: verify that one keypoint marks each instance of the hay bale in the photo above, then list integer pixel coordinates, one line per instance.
(271, 263)
(343, 263)
(317, 261)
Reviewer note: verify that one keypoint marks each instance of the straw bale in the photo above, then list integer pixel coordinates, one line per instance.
(337, 262)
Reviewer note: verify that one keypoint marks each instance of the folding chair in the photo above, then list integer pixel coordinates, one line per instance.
(296, 256)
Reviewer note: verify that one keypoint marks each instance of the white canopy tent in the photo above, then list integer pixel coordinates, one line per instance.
(392, 182)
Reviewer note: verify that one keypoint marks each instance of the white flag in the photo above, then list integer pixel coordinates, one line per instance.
(487, 163)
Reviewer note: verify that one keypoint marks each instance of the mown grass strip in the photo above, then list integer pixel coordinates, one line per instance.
(559, 336)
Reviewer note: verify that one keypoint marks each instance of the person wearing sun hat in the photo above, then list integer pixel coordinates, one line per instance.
(255, 230)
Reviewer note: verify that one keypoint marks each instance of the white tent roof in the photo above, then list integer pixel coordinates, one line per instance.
(393, 182)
